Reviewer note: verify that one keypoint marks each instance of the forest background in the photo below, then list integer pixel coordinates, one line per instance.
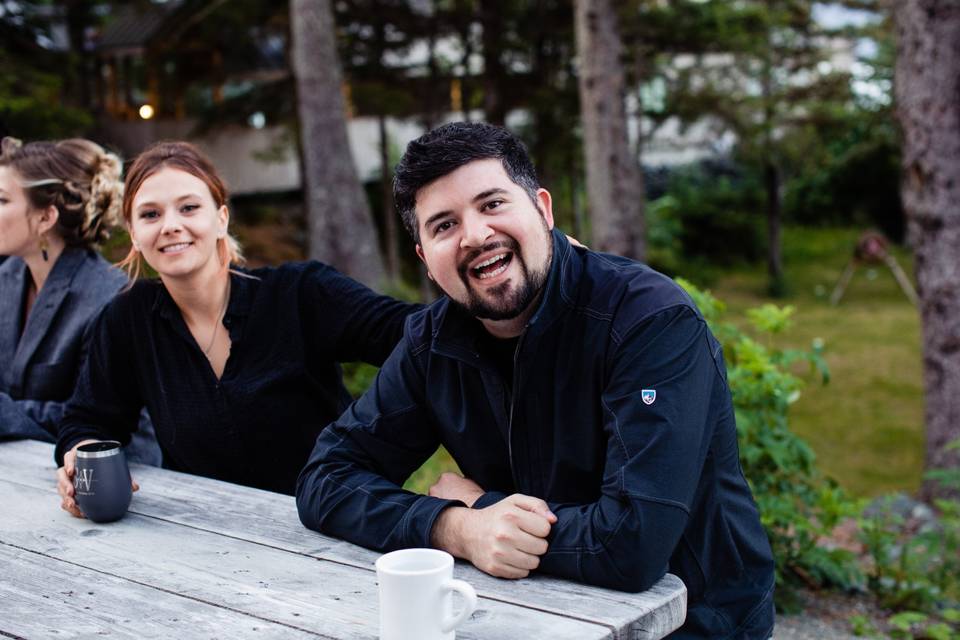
(742, 147)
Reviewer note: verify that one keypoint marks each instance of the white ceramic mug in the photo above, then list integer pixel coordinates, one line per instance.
(416, 595)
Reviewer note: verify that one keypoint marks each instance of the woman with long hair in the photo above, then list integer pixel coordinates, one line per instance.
(58, 201)
(238, 368)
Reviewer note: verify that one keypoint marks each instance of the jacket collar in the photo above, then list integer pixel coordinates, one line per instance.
(561, 287)
(458, 331)
(48, 302)
(243, 288)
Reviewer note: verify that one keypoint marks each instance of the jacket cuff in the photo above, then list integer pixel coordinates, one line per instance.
(420, 518)
(63, 446)
(489, 498)
(17, 423)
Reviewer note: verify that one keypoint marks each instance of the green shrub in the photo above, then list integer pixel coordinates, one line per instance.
(913, 570)
(665, 250)
(31, 104)
(857, 183)
(917, 571)
(358, 376)
(708, 216)
(798, 505)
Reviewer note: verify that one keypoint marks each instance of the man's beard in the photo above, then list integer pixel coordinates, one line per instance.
(509, 299)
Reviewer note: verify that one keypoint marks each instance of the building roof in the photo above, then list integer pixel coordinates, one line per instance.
(133, 27)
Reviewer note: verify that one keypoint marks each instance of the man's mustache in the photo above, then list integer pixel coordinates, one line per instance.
(509, 245)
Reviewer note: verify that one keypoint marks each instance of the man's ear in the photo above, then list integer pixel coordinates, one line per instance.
(419, 251)
(545, 203)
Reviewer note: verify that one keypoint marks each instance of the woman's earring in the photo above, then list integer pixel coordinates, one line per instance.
(43, 248)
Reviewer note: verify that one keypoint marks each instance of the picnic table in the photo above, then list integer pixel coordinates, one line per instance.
(200, 558)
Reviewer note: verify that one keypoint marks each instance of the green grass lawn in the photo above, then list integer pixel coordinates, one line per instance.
(866, 425)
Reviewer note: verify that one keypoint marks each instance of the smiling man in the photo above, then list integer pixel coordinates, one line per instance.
(581, 394)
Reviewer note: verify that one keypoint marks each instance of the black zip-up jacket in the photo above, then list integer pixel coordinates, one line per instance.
(619, 416)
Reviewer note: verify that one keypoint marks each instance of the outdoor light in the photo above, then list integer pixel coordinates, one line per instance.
(146, 112)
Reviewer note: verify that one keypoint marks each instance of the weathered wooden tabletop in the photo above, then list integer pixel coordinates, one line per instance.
(198, 558)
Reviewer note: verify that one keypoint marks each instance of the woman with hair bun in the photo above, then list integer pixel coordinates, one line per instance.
(58, 201)
(238, 368)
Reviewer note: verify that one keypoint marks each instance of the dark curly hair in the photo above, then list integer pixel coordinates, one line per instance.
(449, 147)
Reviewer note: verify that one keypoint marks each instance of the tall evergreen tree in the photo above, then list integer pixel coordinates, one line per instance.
(36, 99)
(763, 69)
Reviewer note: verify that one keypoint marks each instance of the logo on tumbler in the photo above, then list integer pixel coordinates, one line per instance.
(84, 480)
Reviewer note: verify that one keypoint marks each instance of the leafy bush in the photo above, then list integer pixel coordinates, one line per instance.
(358, 376)
(798, 506)
(916, 570)
(709, 214)
(30, 103)
(858, 182)
(913, 569)
(665, 251)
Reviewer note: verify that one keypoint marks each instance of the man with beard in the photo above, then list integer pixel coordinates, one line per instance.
(581, 395)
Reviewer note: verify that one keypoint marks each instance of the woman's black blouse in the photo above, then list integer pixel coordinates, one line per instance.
(289, 327)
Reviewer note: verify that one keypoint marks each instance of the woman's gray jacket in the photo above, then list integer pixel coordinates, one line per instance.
(39, 363)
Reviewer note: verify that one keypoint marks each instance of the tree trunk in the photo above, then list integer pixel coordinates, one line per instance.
(544, 122)
(774, 260)
(579, 224)
(78, 18)
(614, 181)
(341, 227)
(494, 109)
(928, 106)
(466, 84)
(392, 242)
(776, 286)
(432, 111)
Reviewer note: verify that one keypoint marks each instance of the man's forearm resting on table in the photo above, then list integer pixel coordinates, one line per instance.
(447, 532)
(617, 544)
(622, 544)
(505, 540)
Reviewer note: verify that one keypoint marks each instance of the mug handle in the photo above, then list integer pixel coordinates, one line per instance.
(470, 603)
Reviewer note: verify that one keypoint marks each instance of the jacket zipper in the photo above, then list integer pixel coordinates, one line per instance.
(513, 397)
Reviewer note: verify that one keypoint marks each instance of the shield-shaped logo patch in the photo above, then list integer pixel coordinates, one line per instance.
(648, 395)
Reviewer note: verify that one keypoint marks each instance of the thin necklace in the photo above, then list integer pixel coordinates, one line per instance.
(216, 326)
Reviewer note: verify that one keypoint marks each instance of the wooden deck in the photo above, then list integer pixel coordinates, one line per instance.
(198, 558)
